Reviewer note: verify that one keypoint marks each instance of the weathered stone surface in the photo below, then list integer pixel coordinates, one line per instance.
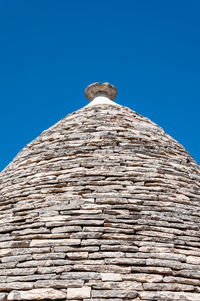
(34, 277)
(78, 293)
(151, 269)
(193, 260)
(141, 277)
(119, 248)
(48, 256)
(77, 255)
(16, 258)
(2, 279)
(52, 269)
(166, 263)
(178, 296)
(66, 229)
(37, 294)
(126, 261)
(16, 286)
(105, 268)
(170, 279)
(102, 206)
(113, 294)
(17, 272)
(168, 287)
(76, 249)
(3, 297)
(81, 275)
(54, 242)
(111, 277)
(59, 283)
(123, 285)
(187, 273)
(5, 252)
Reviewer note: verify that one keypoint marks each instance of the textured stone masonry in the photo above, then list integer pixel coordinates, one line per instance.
(102, 206)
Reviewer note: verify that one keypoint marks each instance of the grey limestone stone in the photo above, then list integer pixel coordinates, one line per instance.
(104, 205)
(114, 294)
(78, 293)
(37, 294)
(3, 296)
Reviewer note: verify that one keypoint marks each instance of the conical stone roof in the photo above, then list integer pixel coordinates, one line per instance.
(102, 206)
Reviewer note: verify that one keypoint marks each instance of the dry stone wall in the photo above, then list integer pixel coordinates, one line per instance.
(102, 206)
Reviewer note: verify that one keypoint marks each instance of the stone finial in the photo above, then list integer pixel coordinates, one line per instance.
(100, 89)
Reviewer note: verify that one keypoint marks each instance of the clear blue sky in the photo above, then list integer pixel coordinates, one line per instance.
(50, 50)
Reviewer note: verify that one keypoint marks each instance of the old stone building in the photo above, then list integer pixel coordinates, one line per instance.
(102, 206)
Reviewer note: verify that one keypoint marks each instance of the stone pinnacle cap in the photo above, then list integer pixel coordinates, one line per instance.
(100, 89)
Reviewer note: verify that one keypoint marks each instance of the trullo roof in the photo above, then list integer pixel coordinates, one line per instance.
(102, 206)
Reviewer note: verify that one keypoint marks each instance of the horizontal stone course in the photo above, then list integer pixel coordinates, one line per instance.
(37, 294)
(55, 242)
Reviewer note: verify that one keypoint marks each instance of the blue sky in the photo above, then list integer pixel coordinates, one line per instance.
(50, 50)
